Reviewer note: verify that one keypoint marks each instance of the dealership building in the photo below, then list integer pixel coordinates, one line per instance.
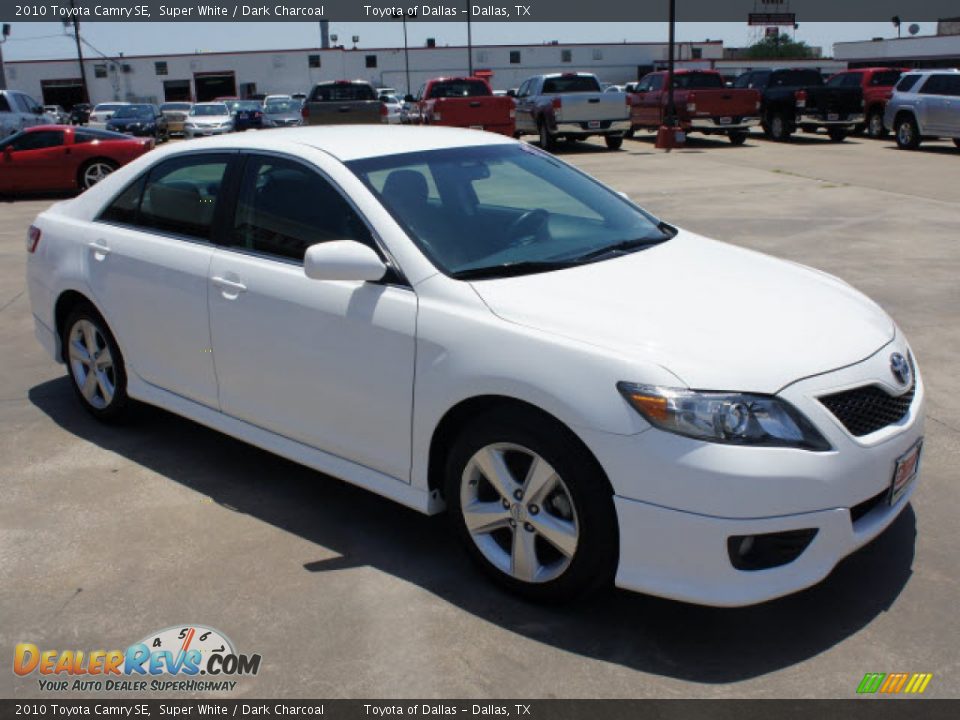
(919, 51)
(204, 76)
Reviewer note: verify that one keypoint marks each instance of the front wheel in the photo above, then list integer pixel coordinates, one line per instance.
(614, 142)
(737, 138)
(532, 506)
(95, 364)
(547, 141)
(837, 134)
(908, 134)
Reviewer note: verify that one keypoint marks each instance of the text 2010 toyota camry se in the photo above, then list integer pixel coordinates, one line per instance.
(454, 319)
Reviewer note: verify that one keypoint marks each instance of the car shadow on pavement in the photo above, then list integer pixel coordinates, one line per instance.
(673, 639)
(694, 141)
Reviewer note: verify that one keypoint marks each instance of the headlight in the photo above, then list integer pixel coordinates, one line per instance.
(732, 418)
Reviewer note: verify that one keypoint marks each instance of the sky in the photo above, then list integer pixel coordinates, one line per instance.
(36, 41)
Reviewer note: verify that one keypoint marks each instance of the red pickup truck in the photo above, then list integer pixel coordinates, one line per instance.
(877, 84)
(464, 102)
(702, 103)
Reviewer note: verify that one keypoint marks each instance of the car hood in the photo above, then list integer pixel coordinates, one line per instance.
(717, 316)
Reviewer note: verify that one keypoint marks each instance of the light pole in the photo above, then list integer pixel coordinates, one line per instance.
(469, 45)
(406, 54)
(76, 37)
(3, 38)
(670, 134)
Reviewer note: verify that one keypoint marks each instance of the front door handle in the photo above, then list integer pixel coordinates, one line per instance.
(231, 286)
(100, 249)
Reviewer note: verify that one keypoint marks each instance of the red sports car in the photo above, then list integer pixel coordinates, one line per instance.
(48, 158)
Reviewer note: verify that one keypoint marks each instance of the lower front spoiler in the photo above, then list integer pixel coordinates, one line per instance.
(684, 556)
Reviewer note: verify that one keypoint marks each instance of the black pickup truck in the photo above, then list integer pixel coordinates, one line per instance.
(798, 98)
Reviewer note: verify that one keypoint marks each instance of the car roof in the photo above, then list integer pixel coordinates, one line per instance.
(353, 142)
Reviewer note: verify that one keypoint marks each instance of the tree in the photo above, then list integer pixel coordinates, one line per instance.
(779, 46)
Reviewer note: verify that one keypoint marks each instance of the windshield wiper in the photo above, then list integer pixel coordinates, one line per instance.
(510, 269)
(616, 248)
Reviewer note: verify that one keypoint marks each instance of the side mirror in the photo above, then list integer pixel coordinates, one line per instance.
(409, 98)
(343, 260)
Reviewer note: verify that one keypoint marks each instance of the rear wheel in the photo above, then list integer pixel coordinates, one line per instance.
(908, 134)
(875, 128)
(737, 138)
(780, 129)
(94, 171)
(614, 142)
(837, 134)
(956, 141)
(547, 141)
(95, 364)
(532, 506)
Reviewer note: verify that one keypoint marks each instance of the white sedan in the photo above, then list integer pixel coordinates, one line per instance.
(456, 320)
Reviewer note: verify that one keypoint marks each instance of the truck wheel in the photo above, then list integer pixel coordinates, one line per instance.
(908, 134)
(875, 128)
(956, 141)
(614, 142)
(547, 141)
(837, 134)
(780, 129)
(737, 138)
(629, 134)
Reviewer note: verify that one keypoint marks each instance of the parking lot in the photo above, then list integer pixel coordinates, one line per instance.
(107, 534)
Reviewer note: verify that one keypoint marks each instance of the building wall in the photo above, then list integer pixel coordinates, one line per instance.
(926, 51)
(287, 71)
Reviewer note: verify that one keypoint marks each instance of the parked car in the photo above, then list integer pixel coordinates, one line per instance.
(268, 98)
(615, 88)
(466, 102)
(702, 103)
(80, 113)
(281, 113)
(571, 106)
(176, 114)
(57, 115)
(18, 111)
(298, 96)
(53, 158)
(342, 102)
(877, 85)
(925, 104)
(393, 105)
(792, 98)
(102, 112)
(211, 118)
(140, 120)
(247, 114)
(722, 458)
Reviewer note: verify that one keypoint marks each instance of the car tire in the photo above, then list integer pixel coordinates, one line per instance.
(780, 129)
(737, 138)
(559, 541)
(956, 141)
(547, 141)
(630, 134)
(908, 134)
(93, 171)
(875, 128)
(94, 364)
(614, 142)
(837, 134)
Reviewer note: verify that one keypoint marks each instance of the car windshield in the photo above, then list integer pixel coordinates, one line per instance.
(278, 107)
(494, 211)
(213, 109)
(459, 88)
(133, 111)
(244, 105)
(175, 106)
(697, 80)
(107, 107)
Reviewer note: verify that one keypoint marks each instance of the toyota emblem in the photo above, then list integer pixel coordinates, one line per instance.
(900, 368)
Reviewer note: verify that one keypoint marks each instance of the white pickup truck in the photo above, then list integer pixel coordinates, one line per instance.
(572, 106)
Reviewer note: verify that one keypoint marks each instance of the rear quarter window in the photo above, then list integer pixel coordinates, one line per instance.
(907, 83)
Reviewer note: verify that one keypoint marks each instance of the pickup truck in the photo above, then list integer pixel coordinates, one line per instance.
(343, 102)
(702, 103)
(877, 85)
(466, 102)
(572, 106)
(797, 98)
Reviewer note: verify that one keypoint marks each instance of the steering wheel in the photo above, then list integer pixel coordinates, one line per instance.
(525, 228)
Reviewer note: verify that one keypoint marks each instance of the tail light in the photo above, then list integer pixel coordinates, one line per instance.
(692, 103)
(33, 238)
(383, 110)
(801, 97)
(557, 105)
(513, 112)
(305, 111)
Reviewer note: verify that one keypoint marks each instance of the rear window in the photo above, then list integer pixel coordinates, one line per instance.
(570, 84)
(907, 82)
(697, 80)
(885, 78)
(90, 134)
(342, 92)
(459, 88)
(796, 78)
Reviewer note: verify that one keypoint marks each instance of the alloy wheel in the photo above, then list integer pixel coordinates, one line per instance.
(95, 172)
(91, 364)
(519, 513)
(905, 133)
(875, 126)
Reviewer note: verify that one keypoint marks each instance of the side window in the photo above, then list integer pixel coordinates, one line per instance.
(907, 82)
(837, 80)
(181, 195)
(38, 140)
(934, 85)
(952, 85)
(4, 105)
(524, 86)
(743, 81)
(124, 207)
(656, 82)
(285, 207)
(853, 80)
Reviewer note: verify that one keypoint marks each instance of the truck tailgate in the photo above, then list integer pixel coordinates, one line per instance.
(584, 107)
(721, 102)
(343, 113)
(841, 101)
(479, 112)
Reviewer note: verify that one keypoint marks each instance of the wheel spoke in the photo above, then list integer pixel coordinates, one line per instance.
(104, 361)
(78, 352)
(539, 481)
(523, 559)
(485, 517)
(89, 387)
(562, 534)
(106, 387)
(495, 470)
(90, 338)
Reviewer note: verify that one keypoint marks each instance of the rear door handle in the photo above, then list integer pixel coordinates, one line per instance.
(100, 249)
(228, 285)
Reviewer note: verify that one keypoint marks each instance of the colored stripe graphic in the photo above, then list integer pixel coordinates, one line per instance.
(894, 683)
(870, 683)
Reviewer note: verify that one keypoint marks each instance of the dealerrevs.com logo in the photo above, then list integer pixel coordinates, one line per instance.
(184, 658)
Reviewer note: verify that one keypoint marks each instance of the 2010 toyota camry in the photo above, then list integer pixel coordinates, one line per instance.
(455, 319)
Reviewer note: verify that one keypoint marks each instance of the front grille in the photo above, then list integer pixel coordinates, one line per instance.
(867, 409)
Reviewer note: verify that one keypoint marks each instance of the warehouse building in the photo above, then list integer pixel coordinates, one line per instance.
(920, 51)
(204, 76)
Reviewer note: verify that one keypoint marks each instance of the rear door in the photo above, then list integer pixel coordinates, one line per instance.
(37, 162)
(646, 104)
(938, 104)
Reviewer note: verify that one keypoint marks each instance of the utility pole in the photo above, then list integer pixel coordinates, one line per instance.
(406, 55)
(671, 119)
(469, 45)
(76, 37)
(3, 74)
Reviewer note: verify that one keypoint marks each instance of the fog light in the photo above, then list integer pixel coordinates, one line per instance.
(770, 550)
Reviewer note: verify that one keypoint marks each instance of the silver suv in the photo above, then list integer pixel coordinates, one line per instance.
(18, 111)
(925, 104)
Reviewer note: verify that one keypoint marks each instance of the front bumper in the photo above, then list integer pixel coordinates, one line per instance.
(679, 500)
(826, 121)
(717, 124)
(605, 127)
(205, 132)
